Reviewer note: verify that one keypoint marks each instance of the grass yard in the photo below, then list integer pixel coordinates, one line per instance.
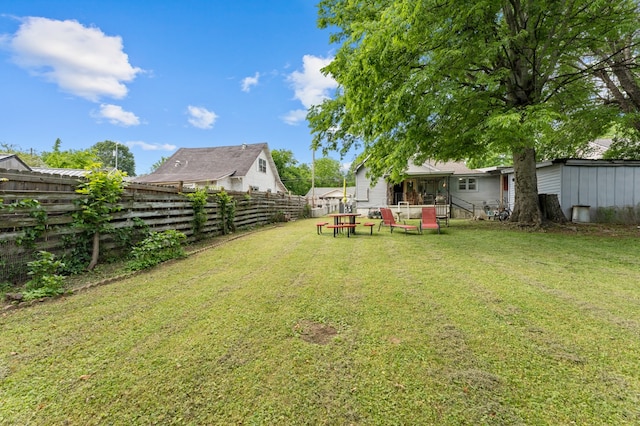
(479, 325)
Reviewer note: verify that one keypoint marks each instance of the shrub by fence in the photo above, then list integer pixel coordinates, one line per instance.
(28, 226)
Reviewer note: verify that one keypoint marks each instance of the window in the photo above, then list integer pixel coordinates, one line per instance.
(467, 184)
(262, 165)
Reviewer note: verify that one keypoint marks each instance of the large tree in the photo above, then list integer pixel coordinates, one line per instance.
(458, 79)
(295, 176)
(328, 173)
(618, 68)
(106, 153)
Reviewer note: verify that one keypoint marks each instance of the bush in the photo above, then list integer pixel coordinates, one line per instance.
(157, 248)
(45, 280)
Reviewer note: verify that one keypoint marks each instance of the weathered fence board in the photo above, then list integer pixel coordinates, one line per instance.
(159, 208)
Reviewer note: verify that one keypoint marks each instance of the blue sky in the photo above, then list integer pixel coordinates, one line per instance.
(161, 75)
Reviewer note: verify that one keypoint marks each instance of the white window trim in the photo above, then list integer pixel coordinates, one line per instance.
(262, 161)
(466, 184)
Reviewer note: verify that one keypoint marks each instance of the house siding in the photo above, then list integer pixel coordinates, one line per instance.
(367, 197)
(264, 181)
(488, 191)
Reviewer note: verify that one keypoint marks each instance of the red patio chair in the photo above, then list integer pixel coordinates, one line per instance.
(429, 219)
(390, 221)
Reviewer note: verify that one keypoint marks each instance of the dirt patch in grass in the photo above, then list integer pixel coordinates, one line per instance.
(314, 332)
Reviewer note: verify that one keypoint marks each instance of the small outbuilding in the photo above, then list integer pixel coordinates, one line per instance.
(590, 190)
(12, 162)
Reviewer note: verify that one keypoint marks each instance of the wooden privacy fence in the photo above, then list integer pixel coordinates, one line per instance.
(157, 208)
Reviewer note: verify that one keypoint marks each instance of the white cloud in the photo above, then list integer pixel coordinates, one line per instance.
(151, 146)
(295, 117)
(81, 60)
(116, 115)
(310, 86)
(201, 117)
(248, 82)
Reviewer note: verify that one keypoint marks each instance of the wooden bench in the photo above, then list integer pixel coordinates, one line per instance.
(370, 225)
(319, 226)
(347, 226)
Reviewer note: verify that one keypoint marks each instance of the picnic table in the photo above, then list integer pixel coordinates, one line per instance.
(343, 221)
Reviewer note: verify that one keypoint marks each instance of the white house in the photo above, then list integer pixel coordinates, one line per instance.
(246, 167)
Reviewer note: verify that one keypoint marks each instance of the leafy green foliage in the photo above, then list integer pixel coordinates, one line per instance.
(624, 148)
(78, 255)
(157, 248)
(101, 190)
(227, 211)
(30, 157)
(130, 235)
(106, 153)
(45, 280)
(453, 80)
(328, 173)
(158, 163)
(199, 200)
(69, 159)
(36, 211)
(296, 177)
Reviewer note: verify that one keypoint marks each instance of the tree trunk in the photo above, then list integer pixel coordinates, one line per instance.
(550, 207)
(526, 209)
(95, 252)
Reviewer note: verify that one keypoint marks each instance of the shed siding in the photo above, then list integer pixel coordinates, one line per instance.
(11, 163)
(549, 180)
(600, 187)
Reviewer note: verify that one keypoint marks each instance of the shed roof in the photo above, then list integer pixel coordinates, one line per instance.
(61, 172)
(6, 157)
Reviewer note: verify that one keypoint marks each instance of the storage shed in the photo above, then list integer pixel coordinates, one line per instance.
(593, 188)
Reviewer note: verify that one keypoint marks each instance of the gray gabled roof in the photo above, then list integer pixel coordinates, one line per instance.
(430, 167)
(207, 164)
(438, 168)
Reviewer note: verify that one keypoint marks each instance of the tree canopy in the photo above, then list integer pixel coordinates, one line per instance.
(106, 154)
(619, 73)
(30, 158)
(295, 176)
(68, 159)
(466, 79)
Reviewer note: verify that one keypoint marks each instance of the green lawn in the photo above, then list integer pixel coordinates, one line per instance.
(478, 325)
